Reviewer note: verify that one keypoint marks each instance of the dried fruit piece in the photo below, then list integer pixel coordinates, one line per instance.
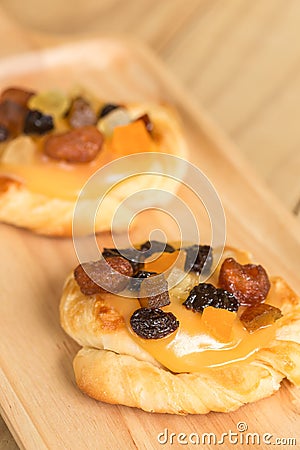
(54, 103)
(199, 258)
(12, 117)
(154, 292)
(131, 138)
(206, 294)
(106, 109)
(3, 133)
(147, 121)
(116, 118)
(258, 316)
(77, 146)
(131, 254)
(163, 262)
(149, 323)
(218, 322)
(249, 283)
(17, 95)
(81, 113)
(150, 247)
(103, 275)
(135, 282)
(20, 150)
(37, 123)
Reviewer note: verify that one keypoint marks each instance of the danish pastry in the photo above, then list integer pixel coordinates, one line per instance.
(194, 348)
(51, 143)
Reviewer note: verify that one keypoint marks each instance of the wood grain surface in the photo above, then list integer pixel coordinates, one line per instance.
(238, 58)
(39, 399)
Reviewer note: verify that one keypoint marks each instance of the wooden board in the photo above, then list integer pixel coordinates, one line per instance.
(39, 399)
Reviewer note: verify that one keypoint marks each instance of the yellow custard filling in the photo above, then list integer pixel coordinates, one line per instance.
(59, 179)
(192, 348)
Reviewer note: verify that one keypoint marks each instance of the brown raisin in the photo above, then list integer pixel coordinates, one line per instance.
(12, 117)
(131, 254)
(249, 283)
(103, 275)
(199, 258)
(205, 294)
(81, 113)
(154, 292)
(149, 323)
(17, 95)
(80, 145)
(258, 316)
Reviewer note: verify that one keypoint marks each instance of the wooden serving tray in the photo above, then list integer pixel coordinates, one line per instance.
(39, 399)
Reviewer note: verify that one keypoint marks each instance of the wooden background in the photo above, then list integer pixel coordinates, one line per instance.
(238, 58)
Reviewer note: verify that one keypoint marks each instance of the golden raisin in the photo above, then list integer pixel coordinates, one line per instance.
(249, 283)
(258, 316)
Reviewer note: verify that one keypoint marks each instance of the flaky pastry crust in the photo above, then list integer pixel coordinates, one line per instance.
(112, 368)
(53, 216)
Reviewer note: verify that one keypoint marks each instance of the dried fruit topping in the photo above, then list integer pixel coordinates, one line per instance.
(135, 282)
(150, 247)
(147, 121)
(17, 95)
(258, 316)
(131, 138)
(3, 133)
(206, 294)
(106, 109)
(154, 292)
(116, 118)
(149, 323)
(80, 145)
(218, 322)
(199, 258)
(249, 283)
(132, 255)
(12, 117)
(103, 275)
(54, 103)
(37, 123)
(81, 113)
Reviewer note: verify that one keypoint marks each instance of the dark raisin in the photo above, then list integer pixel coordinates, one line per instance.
(258, 316)
(3, 133)
(149, 323)
(135, 282)
(106, 109)
(199, 258)
(38, 123)
(147, 122)
(150, 247)
(132, 255)
(206, 294)
(81, 113)
(154, 292)
(100, 276)
(249, 283)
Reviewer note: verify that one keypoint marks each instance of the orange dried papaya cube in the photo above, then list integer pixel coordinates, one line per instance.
(218, 322)
(132, 138)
